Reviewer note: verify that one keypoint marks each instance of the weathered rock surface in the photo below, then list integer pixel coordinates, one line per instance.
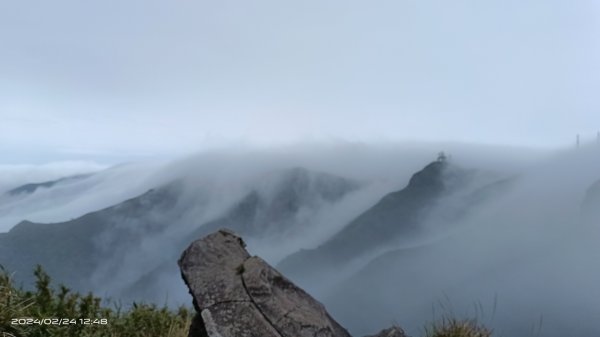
(237, 295)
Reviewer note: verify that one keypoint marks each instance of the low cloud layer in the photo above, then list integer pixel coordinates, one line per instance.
(523, 255)
(523, 263)
(71, 198)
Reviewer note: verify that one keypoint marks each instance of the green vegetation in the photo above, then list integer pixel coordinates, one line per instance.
(47, 311)
(147, 320)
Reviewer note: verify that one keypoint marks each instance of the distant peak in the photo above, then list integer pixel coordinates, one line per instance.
(32, 187)
(22, 226)
(430, 174)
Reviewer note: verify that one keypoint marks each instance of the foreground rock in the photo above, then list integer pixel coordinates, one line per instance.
(240, 295)
(237, 295)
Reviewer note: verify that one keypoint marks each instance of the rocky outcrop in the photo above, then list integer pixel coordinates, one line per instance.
(238, 295)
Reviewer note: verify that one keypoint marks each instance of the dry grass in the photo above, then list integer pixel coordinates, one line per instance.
(451, 327)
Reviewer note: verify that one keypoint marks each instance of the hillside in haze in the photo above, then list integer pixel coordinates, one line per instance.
(91, 251)
(400, 217)
(398, 160)
(378, 235)
(32, 187)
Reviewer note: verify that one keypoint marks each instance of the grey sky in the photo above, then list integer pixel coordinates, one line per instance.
(119, 79)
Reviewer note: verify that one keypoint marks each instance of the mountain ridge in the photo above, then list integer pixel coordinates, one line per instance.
(85, 247)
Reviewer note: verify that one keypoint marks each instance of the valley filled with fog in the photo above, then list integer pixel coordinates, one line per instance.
(401, 161)
(380, 233)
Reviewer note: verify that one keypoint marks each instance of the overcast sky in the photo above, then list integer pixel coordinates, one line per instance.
(118, 79)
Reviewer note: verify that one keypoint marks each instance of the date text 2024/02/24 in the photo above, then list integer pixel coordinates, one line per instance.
(58, 321)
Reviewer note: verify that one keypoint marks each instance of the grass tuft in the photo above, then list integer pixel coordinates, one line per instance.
(452, 327)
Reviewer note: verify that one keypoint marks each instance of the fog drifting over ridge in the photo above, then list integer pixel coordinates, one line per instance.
(212, 182)
(70, 199)
(523, 264)
(280, 96)
(529, 250)
(384, 163)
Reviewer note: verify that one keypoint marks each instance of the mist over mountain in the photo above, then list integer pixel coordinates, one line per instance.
(70, 250)
(64, 198)
(379, 234)
(395, 215)
(313, 130)
(591, 202)
(523, 262)
(108, 250)
(32, 187)
(276, 205)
